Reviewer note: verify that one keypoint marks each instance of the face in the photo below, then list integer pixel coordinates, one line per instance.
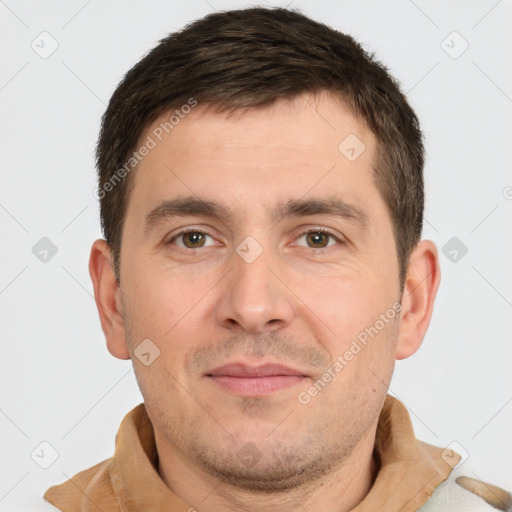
(258, 311)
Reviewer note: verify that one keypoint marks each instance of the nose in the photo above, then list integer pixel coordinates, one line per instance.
(255, 297)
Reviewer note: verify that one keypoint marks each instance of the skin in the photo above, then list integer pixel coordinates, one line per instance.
(297, 303)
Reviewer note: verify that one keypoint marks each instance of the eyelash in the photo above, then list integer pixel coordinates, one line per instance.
(312, 230)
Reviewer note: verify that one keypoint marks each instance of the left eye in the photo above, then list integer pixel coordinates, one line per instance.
(318, 238)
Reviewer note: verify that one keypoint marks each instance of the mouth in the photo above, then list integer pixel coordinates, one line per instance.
(250, 380)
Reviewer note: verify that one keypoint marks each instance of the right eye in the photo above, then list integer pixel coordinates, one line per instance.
(190, 239)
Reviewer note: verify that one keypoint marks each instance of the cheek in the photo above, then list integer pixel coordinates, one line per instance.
(363, 329)
(158, 304)
(169, 312)
(345, 307)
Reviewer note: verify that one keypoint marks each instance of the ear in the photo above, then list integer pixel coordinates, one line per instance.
(108, 299)
(421, 284)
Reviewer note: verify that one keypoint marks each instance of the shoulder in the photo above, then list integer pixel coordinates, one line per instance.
(84, 490)
(462, 493)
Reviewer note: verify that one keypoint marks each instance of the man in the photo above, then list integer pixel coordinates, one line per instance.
(261, 193)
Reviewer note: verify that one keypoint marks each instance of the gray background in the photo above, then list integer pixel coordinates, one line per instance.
(59, 384)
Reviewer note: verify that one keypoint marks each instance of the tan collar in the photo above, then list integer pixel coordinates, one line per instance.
(409, 471)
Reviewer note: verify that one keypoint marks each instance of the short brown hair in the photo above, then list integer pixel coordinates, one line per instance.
(249, 58)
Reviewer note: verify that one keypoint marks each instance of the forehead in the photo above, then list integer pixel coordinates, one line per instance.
(310, 144)
(300, 122)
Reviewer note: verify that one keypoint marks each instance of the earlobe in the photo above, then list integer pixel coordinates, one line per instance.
(422, 282)
(107, 296)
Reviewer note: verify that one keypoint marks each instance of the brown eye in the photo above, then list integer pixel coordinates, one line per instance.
(190, 239)
(193, 239)
(318, 239)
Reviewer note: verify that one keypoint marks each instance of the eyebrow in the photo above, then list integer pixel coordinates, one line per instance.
(190, 205)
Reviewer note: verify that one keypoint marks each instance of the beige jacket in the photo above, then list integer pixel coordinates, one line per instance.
(410, 472)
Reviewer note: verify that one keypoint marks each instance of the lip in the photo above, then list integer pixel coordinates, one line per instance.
(246, 370)
(248, 380)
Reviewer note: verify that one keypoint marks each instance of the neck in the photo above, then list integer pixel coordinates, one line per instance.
(341, 490)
